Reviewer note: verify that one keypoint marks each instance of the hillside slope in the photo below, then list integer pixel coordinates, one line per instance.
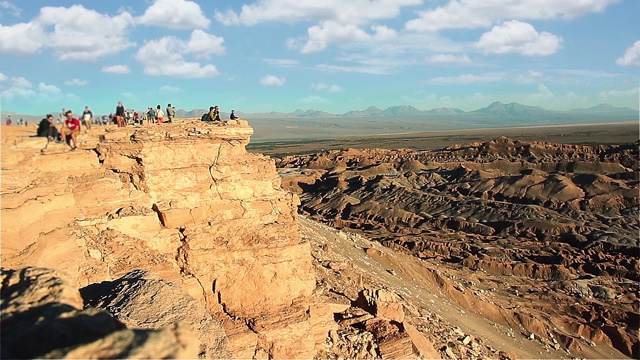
(546, 233)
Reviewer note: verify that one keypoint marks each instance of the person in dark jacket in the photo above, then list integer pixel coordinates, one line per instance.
(120, 115)
(47, 129)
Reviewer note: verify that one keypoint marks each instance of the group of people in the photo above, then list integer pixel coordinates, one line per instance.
(214, 115)
(70, 126)
(68, 132)
(157, 115)
(20, 121)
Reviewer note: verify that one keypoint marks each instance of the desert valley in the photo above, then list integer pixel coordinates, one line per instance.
(186, 240)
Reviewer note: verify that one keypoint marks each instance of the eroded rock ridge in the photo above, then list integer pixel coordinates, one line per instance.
(538, 234)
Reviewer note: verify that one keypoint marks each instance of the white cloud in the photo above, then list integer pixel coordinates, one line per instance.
(285, 63)
(330, 31)
(15, 11)
(83, 34)
(22, 39)
(75, 33)
(529, 77)
(516, 37)
(471, 14)
(3, 77)
(468, 78)
(116, 69)
(175, 14)
(328, 88)
(21, 89)
(201, 44)
(288, 11)
(76, 82)
(166, 56)
(272, 80)
(337, 21)
(621, 97)
(320, 36)
(363, 69)
(448, 59)
(631, 55)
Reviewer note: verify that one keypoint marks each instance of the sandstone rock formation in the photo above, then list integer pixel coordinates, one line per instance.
(184, 202)
(42, 317)
(545, 235)
(140, 301)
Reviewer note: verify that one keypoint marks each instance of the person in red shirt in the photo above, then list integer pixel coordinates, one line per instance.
(71, 127)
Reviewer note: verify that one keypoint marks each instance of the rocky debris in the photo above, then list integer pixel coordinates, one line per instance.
(141, 301)
(532, 224)
(42, 317)
(382, 304)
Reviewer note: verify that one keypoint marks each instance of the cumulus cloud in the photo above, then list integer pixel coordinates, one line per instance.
(328, 88)
(320, 36)
(3, 77)
(75, 33)
(471, 14)
(116, 69)
(22, 39)
(631, 56)
(272, 80)
(516, 37)
(448, 59)
(21, 89)
(76, 82)
(175, 14)
(337, 21)
(166, 56)
(83, 34)
(344, 12)
(202, 45)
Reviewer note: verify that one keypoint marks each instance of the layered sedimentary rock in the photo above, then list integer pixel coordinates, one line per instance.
(42, 317)
(184, 202)
(532, 223)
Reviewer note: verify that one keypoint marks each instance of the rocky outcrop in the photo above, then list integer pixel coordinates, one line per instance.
(43, 317)
(184, 202)
(140, 301)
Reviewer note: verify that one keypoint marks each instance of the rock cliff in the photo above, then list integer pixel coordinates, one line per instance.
(186, 203)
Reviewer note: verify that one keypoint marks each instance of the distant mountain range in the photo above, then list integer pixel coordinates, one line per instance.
(497, 110)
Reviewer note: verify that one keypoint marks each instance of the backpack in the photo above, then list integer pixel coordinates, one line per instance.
(206, 117)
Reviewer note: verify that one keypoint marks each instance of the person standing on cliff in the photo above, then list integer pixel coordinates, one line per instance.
(120, 112)
(87, 118)
(159, 114)
(171, 113)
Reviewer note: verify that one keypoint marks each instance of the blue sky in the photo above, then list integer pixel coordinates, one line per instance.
(332, 55)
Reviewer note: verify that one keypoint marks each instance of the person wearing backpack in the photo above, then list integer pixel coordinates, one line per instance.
(151, 115)
(171, 113)
(208, 117)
